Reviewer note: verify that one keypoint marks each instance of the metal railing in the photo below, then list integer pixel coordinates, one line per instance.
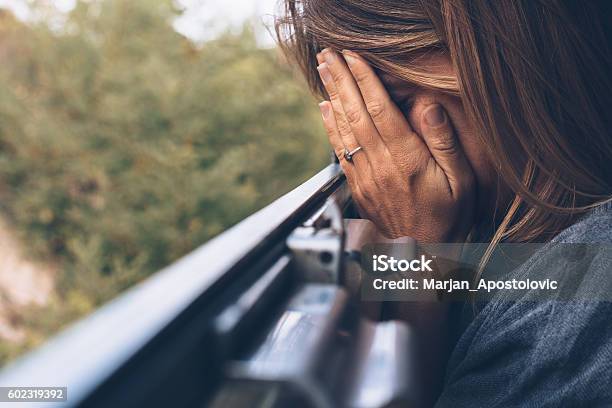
(255, 317)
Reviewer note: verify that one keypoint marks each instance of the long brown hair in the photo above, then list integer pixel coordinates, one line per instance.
(533, 76)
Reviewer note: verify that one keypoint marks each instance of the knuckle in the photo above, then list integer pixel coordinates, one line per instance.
(445, 142)
(329, 128)
(344, 128)
(360, 75)
(338, 76)
(376, 109)
(367, 138)
(333, 94)
(353, 115)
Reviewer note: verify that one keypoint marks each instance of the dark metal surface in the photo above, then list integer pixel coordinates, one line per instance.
(320, 353)
(258, 317)
(158, 329)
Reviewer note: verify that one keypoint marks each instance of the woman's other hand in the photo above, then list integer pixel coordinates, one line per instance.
(408, 184)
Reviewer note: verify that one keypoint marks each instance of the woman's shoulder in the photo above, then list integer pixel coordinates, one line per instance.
(538, 333)
(529, 338)
(578, 261)
(595, 227)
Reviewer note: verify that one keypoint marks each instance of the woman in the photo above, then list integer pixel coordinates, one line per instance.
(458, 121)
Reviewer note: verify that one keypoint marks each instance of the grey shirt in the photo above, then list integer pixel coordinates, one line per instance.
(543, 352)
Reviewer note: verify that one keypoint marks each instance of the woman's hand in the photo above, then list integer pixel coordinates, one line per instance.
(408, 184)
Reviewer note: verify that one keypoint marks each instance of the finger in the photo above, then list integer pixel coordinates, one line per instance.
(329, 123)
(444, 146)
(331, 128)
(344, 129)
(387, 117)
(320, 58)
(355, 112)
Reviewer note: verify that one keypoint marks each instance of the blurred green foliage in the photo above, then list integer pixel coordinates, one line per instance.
(123, 145)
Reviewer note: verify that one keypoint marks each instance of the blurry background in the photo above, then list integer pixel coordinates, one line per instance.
(132, 131)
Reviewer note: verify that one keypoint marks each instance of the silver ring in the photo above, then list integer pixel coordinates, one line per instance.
(348, 155)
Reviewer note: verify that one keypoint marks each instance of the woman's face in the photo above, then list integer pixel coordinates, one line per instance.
(412, 99)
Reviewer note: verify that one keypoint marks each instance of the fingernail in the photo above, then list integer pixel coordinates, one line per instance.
(324, 107)
(320, 58)
(349, 57)
(324, 73)
(434, 116)
(328, 55)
